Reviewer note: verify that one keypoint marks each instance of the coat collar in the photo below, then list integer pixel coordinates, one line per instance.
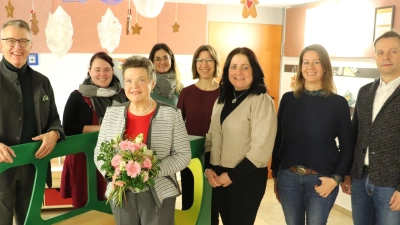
(371, 97)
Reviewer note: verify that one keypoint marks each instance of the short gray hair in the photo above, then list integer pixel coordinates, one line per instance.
(137, 61)
(18, 24)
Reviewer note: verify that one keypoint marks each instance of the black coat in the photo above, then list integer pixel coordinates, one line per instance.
(11, 111)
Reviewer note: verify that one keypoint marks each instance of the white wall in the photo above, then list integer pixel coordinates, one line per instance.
(67, 72)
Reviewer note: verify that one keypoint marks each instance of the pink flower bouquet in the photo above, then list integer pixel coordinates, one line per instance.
(129, 164)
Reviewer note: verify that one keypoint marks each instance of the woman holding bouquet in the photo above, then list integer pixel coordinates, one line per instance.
(163, 131)
(83, 113)
(240, 139)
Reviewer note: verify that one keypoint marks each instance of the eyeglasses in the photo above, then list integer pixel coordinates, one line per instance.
(208, 60)
(11, 42)
(158, 59)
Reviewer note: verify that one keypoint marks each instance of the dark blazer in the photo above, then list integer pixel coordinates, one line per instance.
(11, 111)
(381, 136)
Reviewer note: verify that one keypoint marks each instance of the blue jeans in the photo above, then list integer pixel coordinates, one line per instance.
(300, 202)
(370, 203)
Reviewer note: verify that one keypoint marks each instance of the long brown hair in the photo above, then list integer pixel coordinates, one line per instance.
(327, 78)
(174, 65)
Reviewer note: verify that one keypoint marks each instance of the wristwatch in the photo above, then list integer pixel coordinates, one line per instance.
(337, 178)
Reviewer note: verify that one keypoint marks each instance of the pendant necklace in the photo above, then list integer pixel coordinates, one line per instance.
(151, 104)
(234, 100)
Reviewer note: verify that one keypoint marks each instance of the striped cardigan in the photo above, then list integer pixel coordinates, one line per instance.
(167, 136)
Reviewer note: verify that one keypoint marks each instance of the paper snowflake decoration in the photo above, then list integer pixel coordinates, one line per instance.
(109, 30)
(59, 32)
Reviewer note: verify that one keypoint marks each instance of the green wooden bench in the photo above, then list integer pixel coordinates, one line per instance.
(199, 214)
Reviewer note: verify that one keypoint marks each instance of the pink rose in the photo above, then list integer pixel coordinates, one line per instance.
(133, 168)
(147, 163)
(125, 145)
(135, 147)
(116, 160)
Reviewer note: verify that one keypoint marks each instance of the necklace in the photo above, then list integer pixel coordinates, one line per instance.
(151, 104)
(234, 100)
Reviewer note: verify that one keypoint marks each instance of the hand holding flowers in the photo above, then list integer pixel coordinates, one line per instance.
(129, 164)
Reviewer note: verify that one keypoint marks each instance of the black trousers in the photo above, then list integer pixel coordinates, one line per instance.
(187, 182)
(239, 202)
(15, 194)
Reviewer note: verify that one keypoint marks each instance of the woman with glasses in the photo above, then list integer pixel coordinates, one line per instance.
(307, 163)
(83, 113)
(196, 102)
(168, 85)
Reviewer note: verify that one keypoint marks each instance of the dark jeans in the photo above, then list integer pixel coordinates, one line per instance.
(300, 202)
(238, 203)
(187, 182)
(370, 203)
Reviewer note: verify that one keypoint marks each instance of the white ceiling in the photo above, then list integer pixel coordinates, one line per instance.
(269, 3)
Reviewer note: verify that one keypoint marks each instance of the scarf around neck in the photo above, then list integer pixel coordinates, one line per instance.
(102, 97)
(166, 84)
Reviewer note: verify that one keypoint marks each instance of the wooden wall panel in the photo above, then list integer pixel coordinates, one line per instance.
(296, 23)
(263, 39)
(295, 29)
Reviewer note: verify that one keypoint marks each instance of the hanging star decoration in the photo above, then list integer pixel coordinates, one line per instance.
(136, 29)
(34, 23)
(10, 9)
(176, 27)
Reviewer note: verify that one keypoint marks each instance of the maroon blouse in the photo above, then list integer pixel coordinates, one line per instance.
(196, 106)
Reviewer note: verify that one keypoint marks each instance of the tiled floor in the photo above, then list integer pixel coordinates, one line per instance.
(269, 213)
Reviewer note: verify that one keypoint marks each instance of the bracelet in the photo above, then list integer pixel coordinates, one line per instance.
(205, 173)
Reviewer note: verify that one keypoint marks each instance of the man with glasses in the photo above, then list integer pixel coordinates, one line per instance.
(27, 113)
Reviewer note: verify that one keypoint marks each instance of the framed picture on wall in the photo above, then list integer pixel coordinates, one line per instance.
(383, 20)
(33, 59)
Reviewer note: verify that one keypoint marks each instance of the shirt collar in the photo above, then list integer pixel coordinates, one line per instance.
(392, 84)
